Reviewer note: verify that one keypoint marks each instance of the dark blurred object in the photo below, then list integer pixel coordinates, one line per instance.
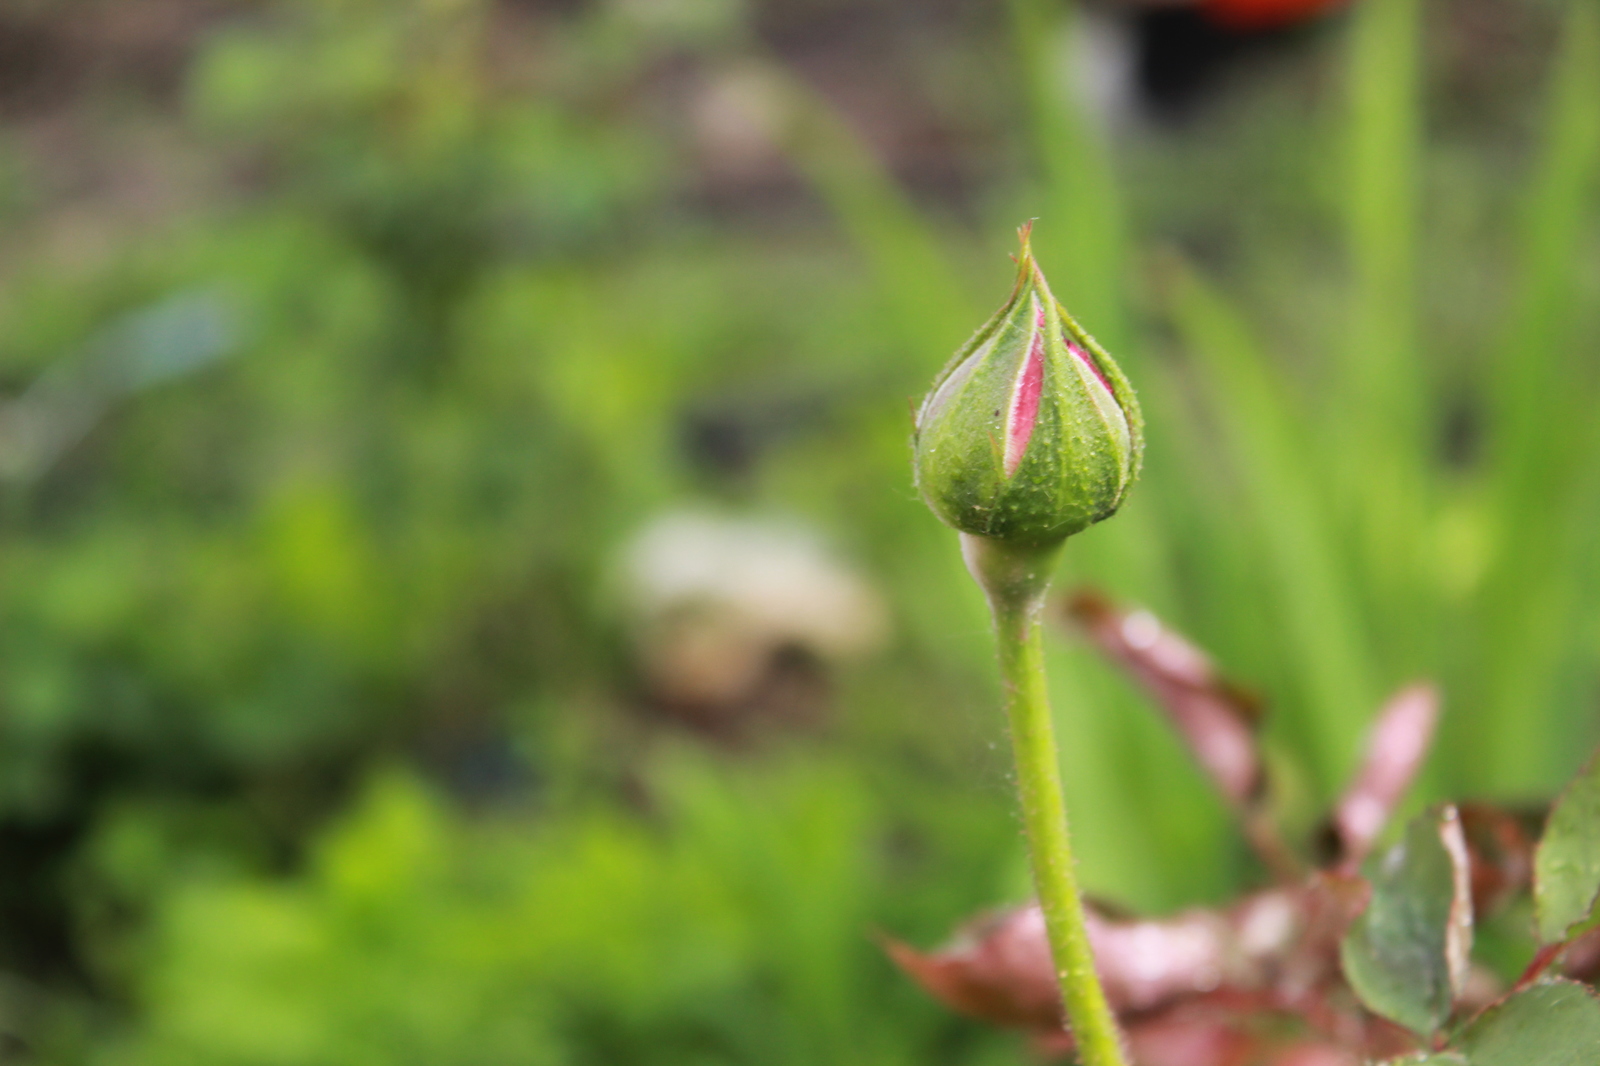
(1266, 14)
(725, 438)
(1182, 53)
(51, 55)
(1582, 962)
(1500, 844)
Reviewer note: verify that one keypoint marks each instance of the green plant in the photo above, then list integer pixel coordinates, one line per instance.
(470, 271)
(1032, 434)
(1365, 956)
(1314, 492)
(725, 926)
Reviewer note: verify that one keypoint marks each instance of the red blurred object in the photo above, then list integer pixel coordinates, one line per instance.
(1266, 14)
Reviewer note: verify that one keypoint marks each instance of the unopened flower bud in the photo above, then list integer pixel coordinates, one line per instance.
(1031, 433)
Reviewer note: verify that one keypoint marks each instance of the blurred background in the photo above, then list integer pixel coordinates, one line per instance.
(462, 597)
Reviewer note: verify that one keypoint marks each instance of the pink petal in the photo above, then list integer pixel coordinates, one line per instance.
(1024, 412)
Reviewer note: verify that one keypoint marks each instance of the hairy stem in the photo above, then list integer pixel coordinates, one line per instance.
(1015, 580)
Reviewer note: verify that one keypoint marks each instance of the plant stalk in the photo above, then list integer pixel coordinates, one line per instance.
(1015, 580)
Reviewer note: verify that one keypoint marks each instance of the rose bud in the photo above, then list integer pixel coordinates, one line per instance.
(1032, 432)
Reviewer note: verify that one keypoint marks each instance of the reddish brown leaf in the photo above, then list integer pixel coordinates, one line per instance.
(1000, 968)
(1501, 853)
(1326, 906)
(1213, 717)
(1396, 747)
(1316, 1055)
(1582, 961)
(1146, 964)
(1255, 984)
(997, 969)
(1203, 1037)
(1177, 1040)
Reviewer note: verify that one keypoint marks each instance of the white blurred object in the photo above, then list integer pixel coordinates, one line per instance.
(715, 599)
(736, 116)
(1098, 67)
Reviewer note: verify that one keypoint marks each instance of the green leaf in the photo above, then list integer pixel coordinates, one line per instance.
(1567, 865)
(1406, 956)
(1555, 1024)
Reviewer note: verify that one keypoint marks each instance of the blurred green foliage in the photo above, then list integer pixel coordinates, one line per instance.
(322, 737)
(732, 927)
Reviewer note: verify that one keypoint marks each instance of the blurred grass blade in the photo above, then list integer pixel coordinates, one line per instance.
(1321, 628)
(1384, 454)
(1083, 237)
(1543, 440)
(1215, 719)
(1385, 119)
(1080, 203)
(932, 311)
(1536, 358)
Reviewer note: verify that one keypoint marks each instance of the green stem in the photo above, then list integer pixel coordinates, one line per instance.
(1016, 580)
